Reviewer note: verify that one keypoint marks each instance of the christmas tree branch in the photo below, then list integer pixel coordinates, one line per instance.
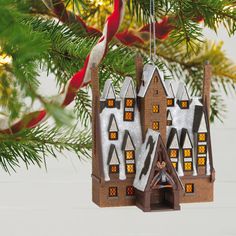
(32, 146)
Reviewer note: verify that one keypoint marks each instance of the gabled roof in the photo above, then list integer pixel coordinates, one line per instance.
(112, 126)
(148, 72)
(199, 119)
(108, 91)
(169, 116)
(170, 89)
(173, 139)
(185, 141)
(182, 93)
(128, 89)
(147, 161)
(112, 156)
(127, 143)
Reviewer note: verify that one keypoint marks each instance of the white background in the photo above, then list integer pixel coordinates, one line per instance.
(58, 202)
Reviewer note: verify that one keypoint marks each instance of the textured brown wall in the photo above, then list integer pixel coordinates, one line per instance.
(101, 194)
(206, 96)
(203, 189)
(146, 104)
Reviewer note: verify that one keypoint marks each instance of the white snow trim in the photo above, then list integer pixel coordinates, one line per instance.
(135, 132)
(187, 142)
(174, 144)
(108, 91)
(140, 184)
(170, 89)
(148, 71)
(202, 126)
(182, 93)
(128, 89)
(114, 158)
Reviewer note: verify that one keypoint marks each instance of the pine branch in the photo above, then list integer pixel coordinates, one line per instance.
(33, 146)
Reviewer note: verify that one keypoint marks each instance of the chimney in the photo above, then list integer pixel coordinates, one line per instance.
(206, 94)
(95, 117)
(139, 70)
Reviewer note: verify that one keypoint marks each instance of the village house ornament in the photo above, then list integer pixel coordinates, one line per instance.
(151, 142)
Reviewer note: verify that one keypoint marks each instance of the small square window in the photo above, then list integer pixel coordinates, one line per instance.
(129, 116)
(202, 137)
(189, 188)
(202, 149)
(113, 135)
(130, 191)
(170, 102)
(155, 125)
(188, 166)
(155, 92)
(184, 104)
(130, 168)
(129, 102)
(173, 153)
(187, 152)
(201, 161)
(129, 155)
(114, 169)
(113, 192)
(110, 103)
(155, 109)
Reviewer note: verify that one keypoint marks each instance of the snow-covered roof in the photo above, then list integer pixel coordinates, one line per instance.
(108, 91)
(148, 72)
(170, 89)
(140, 180)
(128, 89)
(182, 93)
(112, 156)
(135, 132)
(185, 140)
(112, 126)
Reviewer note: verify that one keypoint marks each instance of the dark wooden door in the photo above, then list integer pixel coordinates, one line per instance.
(161, 198)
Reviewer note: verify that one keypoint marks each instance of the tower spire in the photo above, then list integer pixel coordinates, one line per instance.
(206, 94)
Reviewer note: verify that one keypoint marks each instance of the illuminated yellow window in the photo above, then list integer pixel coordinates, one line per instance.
(170, 102)
(189, 188)
(202, 149)
(130, 168)
(129, 116)
(155, 125)
(129, 191)
(111, 103)
(173, 153)
(184, 104)
(129, 155)
(155, 108)
(202, 137)
(188, 166)
(201, 161)
(114, 168)
(113, 192)
(113, 135)
(174, 164)
(187, 152)
(129, 102)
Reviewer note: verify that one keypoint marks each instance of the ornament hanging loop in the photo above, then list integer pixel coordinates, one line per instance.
(152, 31)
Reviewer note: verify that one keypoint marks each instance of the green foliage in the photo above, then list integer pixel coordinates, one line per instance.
(34, 146)
(32, 39)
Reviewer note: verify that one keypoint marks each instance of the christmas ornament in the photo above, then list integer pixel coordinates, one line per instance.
(151, 145)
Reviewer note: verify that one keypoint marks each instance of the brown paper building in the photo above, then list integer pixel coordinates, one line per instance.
(151, 143)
